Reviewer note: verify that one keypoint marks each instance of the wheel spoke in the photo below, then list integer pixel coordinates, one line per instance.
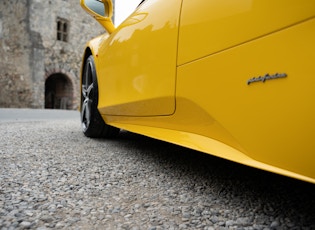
(83, 112)
(84, 91)
(87, 83)
(87, 91)
(86, 113)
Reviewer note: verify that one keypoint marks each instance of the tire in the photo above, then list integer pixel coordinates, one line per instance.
(92, 122)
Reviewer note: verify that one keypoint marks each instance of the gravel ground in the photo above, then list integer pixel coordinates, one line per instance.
(52, 177)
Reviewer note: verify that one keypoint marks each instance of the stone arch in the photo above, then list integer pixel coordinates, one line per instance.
(58, 92)
(68, 97)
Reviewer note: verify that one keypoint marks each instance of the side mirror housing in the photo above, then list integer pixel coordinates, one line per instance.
(101, 10)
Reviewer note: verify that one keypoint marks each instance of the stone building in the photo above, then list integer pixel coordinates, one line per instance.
(41, 46)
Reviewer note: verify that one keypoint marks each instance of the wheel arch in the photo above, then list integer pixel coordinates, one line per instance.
(90, 49)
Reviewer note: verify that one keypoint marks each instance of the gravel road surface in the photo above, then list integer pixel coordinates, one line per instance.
(52, 177)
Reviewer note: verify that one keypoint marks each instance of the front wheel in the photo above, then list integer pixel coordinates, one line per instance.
(92, 123)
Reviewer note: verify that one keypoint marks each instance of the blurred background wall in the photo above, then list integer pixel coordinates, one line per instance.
(41, 46)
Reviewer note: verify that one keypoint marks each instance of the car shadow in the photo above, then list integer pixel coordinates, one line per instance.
(258, 190)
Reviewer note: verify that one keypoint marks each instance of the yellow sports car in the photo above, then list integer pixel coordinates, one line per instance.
(235, 79)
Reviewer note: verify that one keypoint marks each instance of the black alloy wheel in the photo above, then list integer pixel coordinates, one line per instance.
(92, 122)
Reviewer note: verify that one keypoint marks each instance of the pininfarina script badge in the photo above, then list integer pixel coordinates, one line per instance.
(266, 77)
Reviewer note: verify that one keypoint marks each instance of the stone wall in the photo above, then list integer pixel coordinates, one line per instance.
(31, 53)
(15, 44)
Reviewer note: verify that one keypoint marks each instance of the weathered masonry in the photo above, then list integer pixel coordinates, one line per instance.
(41, 46)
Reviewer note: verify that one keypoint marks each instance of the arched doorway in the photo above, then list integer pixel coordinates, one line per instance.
(58, 92)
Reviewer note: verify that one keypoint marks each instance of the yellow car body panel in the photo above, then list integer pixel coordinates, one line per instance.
(220, 25)
(244, 97)
(139, 79)
(272, 121)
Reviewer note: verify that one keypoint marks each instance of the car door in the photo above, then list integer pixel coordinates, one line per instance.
(138, 62)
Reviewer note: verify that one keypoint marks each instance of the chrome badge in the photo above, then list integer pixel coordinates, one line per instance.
(266, 77)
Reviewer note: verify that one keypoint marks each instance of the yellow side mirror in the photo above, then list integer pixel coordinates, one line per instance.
(101, 10)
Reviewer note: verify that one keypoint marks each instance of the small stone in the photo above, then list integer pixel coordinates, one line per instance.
(209, 228)
(47, 219)
(60, 225)
(116, 210)
(229, 223)
(25, 224)
(74, 220)
(108, 217)
(127, 216)
(146, 205)
(274, 224)
(242, 221)
(42, 228)
(186, 215)
(214, 219)
(51, 225)
(101, 217)
(29, 213)
(64, 203)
